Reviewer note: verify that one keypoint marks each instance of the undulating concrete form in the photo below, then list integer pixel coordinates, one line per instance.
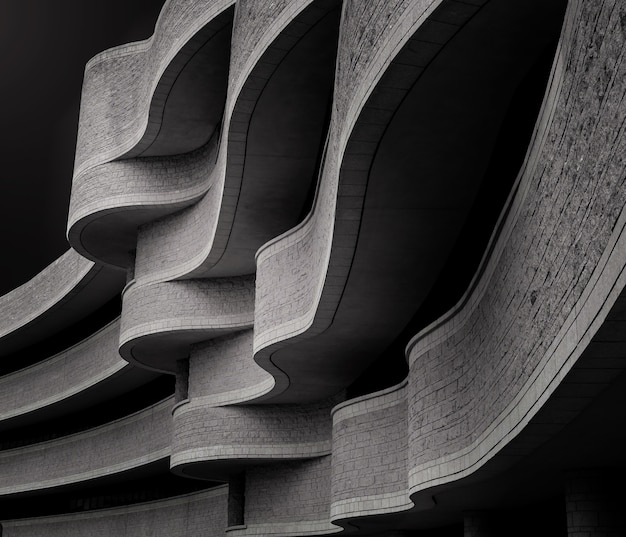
(379, 245)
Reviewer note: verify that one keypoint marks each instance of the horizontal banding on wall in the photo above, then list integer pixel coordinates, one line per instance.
(129, 442)
(480, 375)
(312, 261)
(112, 119)
(200, 513)
(70, 372)
(41, 293)
(204, 433)
(222, 371)
(111, 200)
(369, 463)
(160, 321)
(292, 495)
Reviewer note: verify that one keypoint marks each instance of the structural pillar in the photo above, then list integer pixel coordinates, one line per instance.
(593, 505)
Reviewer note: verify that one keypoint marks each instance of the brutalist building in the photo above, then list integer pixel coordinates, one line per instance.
(336, 267)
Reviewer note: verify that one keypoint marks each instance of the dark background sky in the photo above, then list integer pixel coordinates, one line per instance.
(44, 45)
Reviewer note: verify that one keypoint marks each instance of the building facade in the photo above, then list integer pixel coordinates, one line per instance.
(371, 261)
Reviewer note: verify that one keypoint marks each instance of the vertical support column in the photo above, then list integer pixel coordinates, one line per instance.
(592, 505)
(477, 524)
(181, 390)
(236, 499)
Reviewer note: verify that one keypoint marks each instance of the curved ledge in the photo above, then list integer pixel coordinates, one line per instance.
(81, 373)
(113, 122)
(209, 441)
(112, 200)
(65, 291)
(326, 266)
(369, 470)
(204, 510)
(281, 316)
(219, 235)
(222, 372)
(461, 417)
(130, 442)
(115, 198)
(288, 498)
(161, 321)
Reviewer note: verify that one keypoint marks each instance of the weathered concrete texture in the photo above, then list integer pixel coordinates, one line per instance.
(222, 371)
(110, 201)
(50, 287)
(70, 372)
(127, 443)
(186, 311)
(203, 433)
(201, 514)
(476, 376)
(312, 260)
(288, 499)
(479, 375)
(120, 82)
(369, 470)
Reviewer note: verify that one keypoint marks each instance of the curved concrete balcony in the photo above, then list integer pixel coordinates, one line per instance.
(279, 90)
(488, 384)
(223, 372)
(463, 411)
(126, 87)
(166, 109)
(209, 442)
(82, 375)
(194, 515)
(288, 498)
(369, 463)
(356, 264)
(161, 321)
(64, 292)
(256, 168)
(131, 442)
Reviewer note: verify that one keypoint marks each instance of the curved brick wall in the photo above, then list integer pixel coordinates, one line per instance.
(203, 433)
(477, 376)
(121, 82)
(222, 371)
(75, 370)
(130, 442)
(369, 470)
(312, 260)
(120, 196)
(202, 514)
(50, 287)
(192, 242)
(481, 373)
(200, 309)
(289, 498)
(556, 265)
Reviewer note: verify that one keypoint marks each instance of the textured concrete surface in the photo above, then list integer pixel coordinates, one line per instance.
(195, 515)
(127, 443)
(231, 325)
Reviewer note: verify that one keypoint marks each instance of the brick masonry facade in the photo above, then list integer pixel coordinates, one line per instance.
(198, 306)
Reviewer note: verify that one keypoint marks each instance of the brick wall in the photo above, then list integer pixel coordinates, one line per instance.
(200, 514)
(63, 375)
(479, 375)
(288, 498)
(203, 433)
(127, 443)
(49, 287)
(223, 371)
(369, 462)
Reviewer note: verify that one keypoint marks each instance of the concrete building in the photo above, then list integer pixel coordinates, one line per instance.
(371, 263)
